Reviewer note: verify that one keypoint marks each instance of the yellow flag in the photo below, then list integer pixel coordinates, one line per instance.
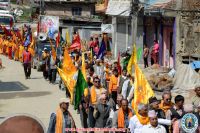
(132, 61)
(83, 66)
(67, 72)
(68, 81)
(143, 90)
(53, 51)
(67, 38)
(68, 65)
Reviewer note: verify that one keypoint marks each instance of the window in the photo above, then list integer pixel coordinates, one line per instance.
(76, 11)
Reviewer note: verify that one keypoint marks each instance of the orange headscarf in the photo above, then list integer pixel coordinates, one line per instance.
(121, 117)
(165, 108)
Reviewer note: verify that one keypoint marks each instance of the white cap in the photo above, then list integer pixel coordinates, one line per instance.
(64, 100)
(152, 113)
(45, 48)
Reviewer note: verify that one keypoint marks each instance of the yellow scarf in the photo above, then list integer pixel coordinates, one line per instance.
(59, 121)
(94, 95)
(121, 117)
(143, 120)
(165, 108)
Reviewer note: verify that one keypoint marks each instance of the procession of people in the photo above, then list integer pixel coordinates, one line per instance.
(105, 97)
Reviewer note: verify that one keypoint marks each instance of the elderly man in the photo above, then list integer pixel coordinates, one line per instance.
(196, 98)
(153, 127)
(61, 119)
(138, 121)
(123, 115)
(101, 113)
(166, 103)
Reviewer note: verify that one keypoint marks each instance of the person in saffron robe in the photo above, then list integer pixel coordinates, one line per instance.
(114, 85)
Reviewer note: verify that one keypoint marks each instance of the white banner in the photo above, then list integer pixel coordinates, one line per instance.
(106, 28)
(119, 7)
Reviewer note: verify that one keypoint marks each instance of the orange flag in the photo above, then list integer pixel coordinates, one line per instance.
(53, 51)
(67, 72)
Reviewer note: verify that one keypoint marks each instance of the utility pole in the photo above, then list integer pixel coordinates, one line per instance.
(134, 15)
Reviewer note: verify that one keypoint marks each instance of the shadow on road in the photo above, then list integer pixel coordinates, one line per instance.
(12, 86)
(23, 94)
(36, 77)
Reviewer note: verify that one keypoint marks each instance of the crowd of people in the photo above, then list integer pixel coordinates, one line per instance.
(109, 100)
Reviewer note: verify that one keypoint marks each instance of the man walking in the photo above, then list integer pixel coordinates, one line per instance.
(52, 68)
(62, 119)
(26, 56)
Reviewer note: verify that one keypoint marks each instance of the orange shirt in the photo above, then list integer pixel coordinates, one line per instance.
(113, 84)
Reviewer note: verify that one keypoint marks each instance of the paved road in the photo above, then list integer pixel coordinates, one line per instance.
(34, 96)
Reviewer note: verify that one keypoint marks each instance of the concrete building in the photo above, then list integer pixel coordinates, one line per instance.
(74, 16)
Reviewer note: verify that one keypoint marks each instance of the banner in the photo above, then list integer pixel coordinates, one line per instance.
(49, 25)
(156, 3)
(119, 7)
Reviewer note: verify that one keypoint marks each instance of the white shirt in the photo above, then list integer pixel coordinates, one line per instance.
(135, 126)
(124, 90)
(150, 129)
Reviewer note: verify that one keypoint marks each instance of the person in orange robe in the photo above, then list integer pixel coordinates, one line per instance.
(113, 85)
(10, 50)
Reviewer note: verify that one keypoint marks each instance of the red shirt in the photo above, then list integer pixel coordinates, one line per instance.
(26, 57)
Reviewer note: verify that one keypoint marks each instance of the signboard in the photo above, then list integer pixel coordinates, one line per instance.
(156, 3)
(106, 28)
(49, 25)
(119, 7)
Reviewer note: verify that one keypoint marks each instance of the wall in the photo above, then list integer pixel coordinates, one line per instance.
(66, 9)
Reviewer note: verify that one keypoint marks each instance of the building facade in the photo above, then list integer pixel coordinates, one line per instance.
(74, 16)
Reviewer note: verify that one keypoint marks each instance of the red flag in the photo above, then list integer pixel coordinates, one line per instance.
(58, 39)
(7, 32)
(118, 63)
(76, 43)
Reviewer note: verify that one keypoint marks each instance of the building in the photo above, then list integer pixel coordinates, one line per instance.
(74, 16)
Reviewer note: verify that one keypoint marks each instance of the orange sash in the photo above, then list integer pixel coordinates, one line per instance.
(59, 121)
(166, 107)
(94, 95)
(121, 117)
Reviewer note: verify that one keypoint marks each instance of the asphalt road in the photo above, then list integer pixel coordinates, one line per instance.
(34, 96)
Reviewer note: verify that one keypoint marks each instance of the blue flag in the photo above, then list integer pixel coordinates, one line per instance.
(28, 40)
(102, 50)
